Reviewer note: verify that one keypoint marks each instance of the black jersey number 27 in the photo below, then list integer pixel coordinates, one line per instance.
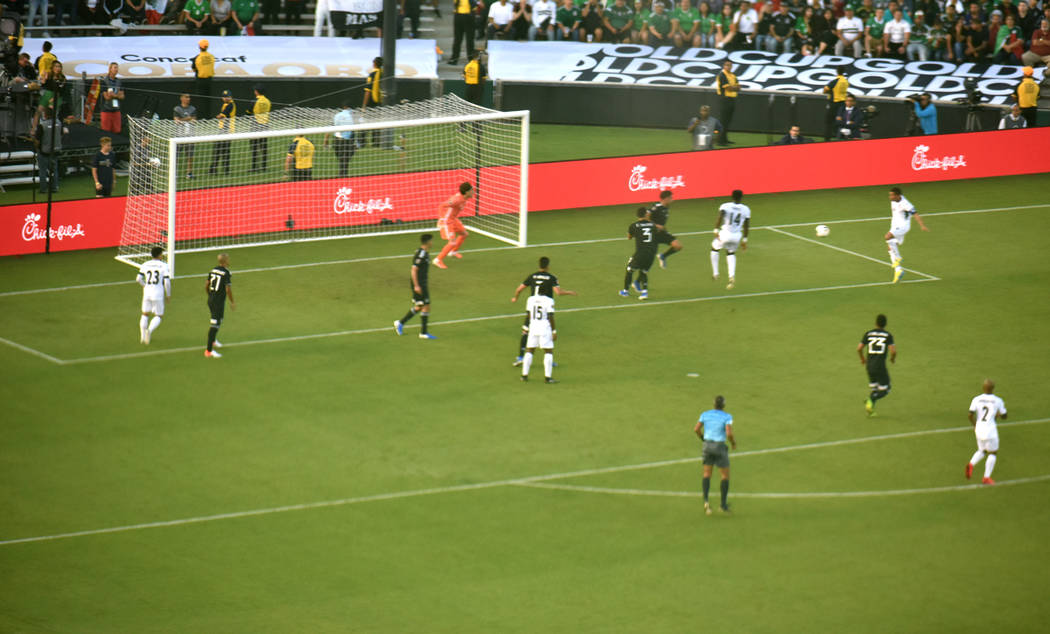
(214, 282)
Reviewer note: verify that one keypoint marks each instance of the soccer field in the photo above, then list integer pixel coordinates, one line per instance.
(326, 475)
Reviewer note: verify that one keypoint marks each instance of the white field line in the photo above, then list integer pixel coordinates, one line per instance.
(35, 353)
(488, 485)
(467, 320)
(545, 245)
(932, 278)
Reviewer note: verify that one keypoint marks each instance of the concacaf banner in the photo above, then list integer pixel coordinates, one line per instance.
(270, 56)
(345, 14)
(666, 65)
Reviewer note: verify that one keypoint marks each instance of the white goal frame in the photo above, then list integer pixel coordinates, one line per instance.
(174, 142)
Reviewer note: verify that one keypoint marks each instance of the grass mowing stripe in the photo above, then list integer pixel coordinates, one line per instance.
(484, 485)
(467, 320)
(503, 248)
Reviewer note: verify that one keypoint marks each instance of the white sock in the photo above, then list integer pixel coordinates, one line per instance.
(548, 364)
(154, 323)
(526, 363)
(143, 323)
(989, 465)
(895, 253)
(731, 264)
(714, 263)
(977, 457)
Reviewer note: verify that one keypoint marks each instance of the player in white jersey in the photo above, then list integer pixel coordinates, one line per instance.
(985, 409)
(731, 229)
(155, 281)
(542, 334)
(902, 211)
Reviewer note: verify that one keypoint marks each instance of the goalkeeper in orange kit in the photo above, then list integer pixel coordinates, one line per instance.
(451, 228)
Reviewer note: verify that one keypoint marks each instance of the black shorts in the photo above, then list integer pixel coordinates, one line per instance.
(878, 376)
(664, 236)
(421, 299)
(218, 311)
(641, 260)
(303, 174)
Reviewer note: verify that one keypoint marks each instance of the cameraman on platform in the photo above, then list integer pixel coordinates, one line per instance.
(925, 112)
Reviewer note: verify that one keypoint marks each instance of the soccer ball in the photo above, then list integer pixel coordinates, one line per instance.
(823, 231)
(154, 161)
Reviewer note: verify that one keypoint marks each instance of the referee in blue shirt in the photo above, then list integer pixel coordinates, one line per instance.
(345, 144)
(714, 428)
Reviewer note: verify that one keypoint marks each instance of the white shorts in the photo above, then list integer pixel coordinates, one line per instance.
(988, 445)
(728, 240)
(540, 339)
(899, 233)
(154, 306)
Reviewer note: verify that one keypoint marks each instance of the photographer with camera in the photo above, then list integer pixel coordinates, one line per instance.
(925, 114)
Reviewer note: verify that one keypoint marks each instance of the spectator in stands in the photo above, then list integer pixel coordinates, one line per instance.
(54, 92)
(1012, 119)
(102, 168)
(708, 28)
(1027, 19)
(568, 17)
(873, 31)
(520, 20)
(154, 10)
(247, 18)
(412, 9)
(1009, 43)
(659, 25)
(37, 8)
(592, 18)
(221, 17)
(196, 15)
(500, 18)
(726, 26)
(765, 22)
(92, 12)
(824, 31)
(542, 20)
(619, 18)
(793, 137)
(685, 25)
(64, 8)
(995, 21)
(781, 38)
(25, 73)
(918, 39)
(865, 10)
(1039, 52)
(850, 33)
(203, 64)
(728, 89)
(640, 27)
(937, 42)
(746, 21)
(849, 119)
(48, 138)
(895, 36)
(134, 12)
(271, 11)
(926, 113)
(462, 26)
(976, 43)
(1007, 8)
(929, 8)
(293, 9)
(804, 32)
(705, 129)
(112, 94)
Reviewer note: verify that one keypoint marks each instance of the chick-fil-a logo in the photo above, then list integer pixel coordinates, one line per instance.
(638, 181)
(31, 230)
(920, 162)
(345, 205)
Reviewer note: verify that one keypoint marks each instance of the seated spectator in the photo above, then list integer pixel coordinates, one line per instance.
(25, 72)
(155, 10)
(824, 31)
(726, 27)
(746, 22)
(850, 33)
(293, 9)
(793, 137)
(976, 47)
(804, 32)
(764, 10)
(542, 20)
(501, 16)
(593, 18)
(247, 19)
(1013, 120)
(705, 129)
(781, 36)
(895, 36)
(1007, 8)
(640, 26)
(92, 12)
(196, 15)
(1027, 19)
(134, 11)
(708, 28)
(618, 19)
(521, 20)
(849, 119)
(1039, 52)
(918, 40)
(222, 17)
(874, 46)
(995, 21)
(1009, 43)
(937, 42)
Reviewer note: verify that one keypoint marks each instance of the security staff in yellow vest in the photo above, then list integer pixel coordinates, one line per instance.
(1027, 95)
(373, 93)
(836, 90)
(301, 151)
(474, 75)
(728, 88)
(260, 111)
(203, 64)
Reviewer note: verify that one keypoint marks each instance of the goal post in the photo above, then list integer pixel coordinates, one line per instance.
(238, 182)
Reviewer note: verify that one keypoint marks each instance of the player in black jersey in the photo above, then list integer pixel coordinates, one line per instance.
(420, 292)
(643, 231)
(542, 282)
(877, 343)
(219, 286)
(658, 213)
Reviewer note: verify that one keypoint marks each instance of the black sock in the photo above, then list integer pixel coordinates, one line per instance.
(425, 317)
(213, 332)
(643, 280)
(707, 488)
(408, 316)
(669, 252)
(524, 340)
(627, 279)
(877, 394)
(725, 492)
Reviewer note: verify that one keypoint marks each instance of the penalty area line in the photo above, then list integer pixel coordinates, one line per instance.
(932, 278)
(35, 353)
(397, 495)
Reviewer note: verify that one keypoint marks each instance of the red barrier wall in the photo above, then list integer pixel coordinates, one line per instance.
(88, 224)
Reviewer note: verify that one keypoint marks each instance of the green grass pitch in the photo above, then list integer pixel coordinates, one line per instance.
(329, 476)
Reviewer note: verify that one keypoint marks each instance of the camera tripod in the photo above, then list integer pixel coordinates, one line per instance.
(973, 120)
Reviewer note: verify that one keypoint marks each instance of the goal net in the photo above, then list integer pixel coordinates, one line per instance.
(238, 182)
